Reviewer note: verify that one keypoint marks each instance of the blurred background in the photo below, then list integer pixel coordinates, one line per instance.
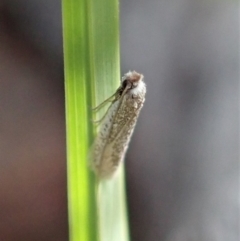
(183, 161)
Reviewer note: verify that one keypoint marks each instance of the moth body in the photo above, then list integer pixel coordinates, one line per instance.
(116, 128)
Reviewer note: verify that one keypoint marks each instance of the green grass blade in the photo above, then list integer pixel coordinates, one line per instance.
(81, 206)
(91, 64)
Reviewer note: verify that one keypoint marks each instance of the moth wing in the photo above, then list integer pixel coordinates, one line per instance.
(111, 145)
(114, 152)
(100, 142)
(107, 168)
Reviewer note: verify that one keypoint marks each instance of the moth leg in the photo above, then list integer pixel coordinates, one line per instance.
(99, 121)
(110, 99)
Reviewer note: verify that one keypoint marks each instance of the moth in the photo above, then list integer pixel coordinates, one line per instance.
(117, 125)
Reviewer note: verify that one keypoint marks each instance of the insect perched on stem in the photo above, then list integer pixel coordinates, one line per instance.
(117, 125)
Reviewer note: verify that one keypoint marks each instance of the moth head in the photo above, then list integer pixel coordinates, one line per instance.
(132, 79)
